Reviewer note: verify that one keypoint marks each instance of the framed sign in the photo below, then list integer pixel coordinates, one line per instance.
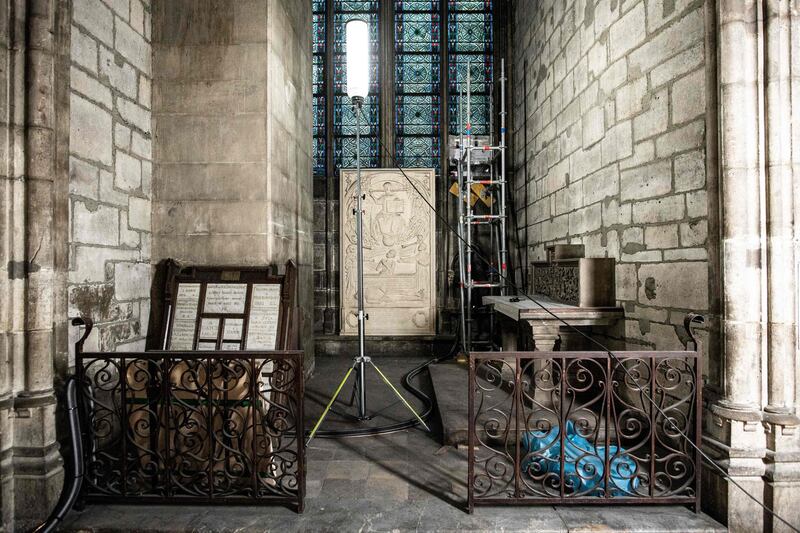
(230, 308)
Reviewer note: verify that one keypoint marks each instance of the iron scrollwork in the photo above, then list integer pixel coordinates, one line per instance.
(183, 426)
(584, 427)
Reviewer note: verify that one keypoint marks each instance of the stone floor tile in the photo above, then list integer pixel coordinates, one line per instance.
(313, 488)
(337, 490)
(355, 470)
(636, 519)
(388, 489)
(387, 469)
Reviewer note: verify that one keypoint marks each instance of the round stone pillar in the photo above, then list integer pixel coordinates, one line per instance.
(734, 431)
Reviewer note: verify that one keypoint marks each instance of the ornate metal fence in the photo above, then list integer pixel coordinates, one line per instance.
(186, 427)
(577, 427)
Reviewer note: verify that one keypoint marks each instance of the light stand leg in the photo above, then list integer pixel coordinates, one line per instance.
(397, 392)
(360, 363)
(328, 407)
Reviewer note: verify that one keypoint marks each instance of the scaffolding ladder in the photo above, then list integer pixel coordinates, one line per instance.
(481, 164)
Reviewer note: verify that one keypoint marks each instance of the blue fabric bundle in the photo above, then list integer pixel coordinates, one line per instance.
(584, 463)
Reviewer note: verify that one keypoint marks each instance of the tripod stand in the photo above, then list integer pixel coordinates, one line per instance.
(360, 362)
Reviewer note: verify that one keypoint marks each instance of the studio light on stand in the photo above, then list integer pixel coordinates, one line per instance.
(357, 49)
(357, 90)
(358, 68)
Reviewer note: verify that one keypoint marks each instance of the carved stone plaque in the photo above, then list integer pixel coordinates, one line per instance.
(399, 255)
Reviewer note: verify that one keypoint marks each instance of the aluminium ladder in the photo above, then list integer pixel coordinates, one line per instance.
(483, 165)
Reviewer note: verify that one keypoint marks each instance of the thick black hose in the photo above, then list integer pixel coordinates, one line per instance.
(405, 424)
(73, 478)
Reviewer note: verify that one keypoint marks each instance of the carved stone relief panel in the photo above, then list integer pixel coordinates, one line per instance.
(399, 256)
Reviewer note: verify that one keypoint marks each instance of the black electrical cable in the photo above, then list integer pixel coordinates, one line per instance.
(589, 338)
(405, 424)
(75, 469)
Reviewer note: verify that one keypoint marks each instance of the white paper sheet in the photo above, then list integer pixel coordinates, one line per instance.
(262, 328)
(233, 329)
(228, 298)
(185, 319)
(209, 328)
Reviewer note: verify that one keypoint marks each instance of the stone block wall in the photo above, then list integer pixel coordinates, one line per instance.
(110, 169)
(611, 148)
(232, 118)
(326, 249)
(290, 212)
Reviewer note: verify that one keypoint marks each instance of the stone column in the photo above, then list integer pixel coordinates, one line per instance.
(546, 335)
(734, 430)
(740, 179)
(780, 212)
(31, 464)
(783, 445)
(12, 194)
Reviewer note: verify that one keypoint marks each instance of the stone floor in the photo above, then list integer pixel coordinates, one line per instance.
(449, 380)
(405, 481)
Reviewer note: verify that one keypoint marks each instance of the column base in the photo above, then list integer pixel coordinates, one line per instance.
(782, 497)
(782, 491)
(735, 439)
(31, 498)
(31, 469)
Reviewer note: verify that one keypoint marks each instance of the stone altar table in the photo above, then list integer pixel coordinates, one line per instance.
(547, 333)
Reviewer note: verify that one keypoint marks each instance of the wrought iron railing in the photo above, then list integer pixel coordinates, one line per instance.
(193, 426)
(577, 427)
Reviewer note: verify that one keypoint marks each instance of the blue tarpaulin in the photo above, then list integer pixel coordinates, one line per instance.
(584, 463)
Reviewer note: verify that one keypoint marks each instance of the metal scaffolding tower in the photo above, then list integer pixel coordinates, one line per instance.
(480, 170)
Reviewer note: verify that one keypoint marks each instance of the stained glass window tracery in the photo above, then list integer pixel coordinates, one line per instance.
(319, 108)
(470, 35)
(418, 77)
(344, 119)
(433, 40)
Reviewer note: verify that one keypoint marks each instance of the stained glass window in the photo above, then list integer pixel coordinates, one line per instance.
(319, 113)
(469, 41)
(432, 42)
(344, 119)
(418, 77)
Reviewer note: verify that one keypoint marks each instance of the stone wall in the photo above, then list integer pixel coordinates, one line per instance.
(232, 116)
(290, 209)
(610, 151)
(110, 169)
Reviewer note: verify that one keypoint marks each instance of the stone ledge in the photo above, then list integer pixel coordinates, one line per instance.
(381, 346)
(781, 419)
(740, 415)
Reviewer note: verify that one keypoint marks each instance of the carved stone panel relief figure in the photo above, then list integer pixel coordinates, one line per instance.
(399, 258)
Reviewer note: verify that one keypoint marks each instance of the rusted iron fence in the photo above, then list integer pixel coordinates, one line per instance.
(577, 427)
(215, 426)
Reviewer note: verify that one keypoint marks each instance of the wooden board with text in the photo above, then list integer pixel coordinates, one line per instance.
(230, 309)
